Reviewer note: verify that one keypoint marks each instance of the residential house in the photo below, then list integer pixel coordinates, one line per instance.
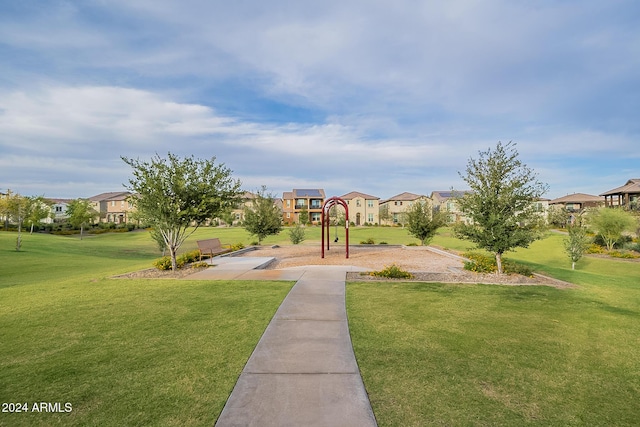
(247, 201)
(627, 196)
(301, 200)
(577, 202)
(58, 210)
(363, 208)
(392, 210)
(113, 206)
(445, 201)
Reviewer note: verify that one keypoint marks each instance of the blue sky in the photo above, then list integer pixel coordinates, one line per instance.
(380, 97)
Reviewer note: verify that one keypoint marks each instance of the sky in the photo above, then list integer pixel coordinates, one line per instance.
(375, 96)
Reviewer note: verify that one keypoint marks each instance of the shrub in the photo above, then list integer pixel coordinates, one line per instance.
(163, 263)
(594, 248)
(199, 264)
(392, 272)
(412, 244)
(369, 241)
(623, 254)
(296, 234)
(187, 258)
(236, 246)
(383, 243)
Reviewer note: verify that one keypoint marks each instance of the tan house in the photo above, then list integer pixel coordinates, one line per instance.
(247, 201)
(301, 200)
(363, 208)
(577, 202)
(627, 196)
(392, 210)
(445, 201)
(113, 206)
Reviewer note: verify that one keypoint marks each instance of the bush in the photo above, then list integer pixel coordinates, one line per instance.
(623, 254)
(383, 243)
(163, 263)
(187, 258)
(595, 249)
(236, 246)
(392, 272)
(369, 241)
(296, 234)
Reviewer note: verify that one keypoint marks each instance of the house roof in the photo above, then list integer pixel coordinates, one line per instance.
(631, 187)
(354, 194)
(303, 192)
(448, 193)
(113, 195)
(404, 197)
(59, 201)
(576, 198)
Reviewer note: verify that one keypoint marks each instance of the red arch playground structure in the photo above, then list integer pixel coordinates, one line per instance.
(324, 219)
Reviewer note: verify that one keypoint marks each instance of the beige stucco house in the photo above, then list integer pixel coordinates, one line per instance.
(113, 206)
(392, 210)
(445, 201)
(363, 208)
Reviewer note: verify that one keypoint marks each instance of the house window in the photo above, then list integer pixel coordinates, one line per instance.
(300, 203)
(288, 215)
(370, 217)
(58, 209)
(370, 204)
(113, 203)
(358, 203)
(315, 216)
(288, 203)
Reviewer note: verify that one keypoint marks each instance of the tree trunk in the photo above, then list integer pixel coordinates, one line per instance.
(499, 262)
(174, 262)
(81, 230)
(573, 265)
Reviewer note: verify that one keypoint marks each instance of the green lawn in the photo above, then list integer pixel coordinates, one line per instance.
(435, 354)
(168, 352)
(122, 352)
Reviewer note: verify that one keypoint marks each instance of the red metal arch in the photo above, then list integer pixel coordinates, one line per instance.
(324, 219)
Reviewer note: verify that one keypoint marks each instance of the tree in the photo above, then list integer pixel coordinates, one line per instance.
(558, 216)
(303, 216)
(176, 195)
(384, 214)
(500, 205)
(80, 213)
(15, 207)
(263, 218)
(423, 222)
(610, 223)
(38, 208)
(296, 234)
(576, 243)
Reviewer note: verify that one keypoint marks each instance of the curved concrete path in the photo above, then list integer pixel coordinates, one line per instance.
(303, 371)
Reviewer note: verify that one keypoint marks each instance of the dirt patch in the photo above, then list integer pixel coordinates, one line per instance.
(425, 264)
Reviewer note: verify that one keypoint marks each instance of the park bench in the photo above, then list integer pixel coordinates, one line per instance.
(211, 247)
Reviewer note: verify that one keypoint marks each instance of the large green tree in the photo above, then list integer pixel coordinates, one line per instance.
(80, 213)
(423, 221)
(38, 208)
(500, 205)
(262, 218)
(610, 223)
(176, 195)
(15, 209)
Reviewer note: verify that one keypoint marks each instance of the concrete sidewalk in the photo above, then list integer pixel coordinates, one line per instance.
(303, 371)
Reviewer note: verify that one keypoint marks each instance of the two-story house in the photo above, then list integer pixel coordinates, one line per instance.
(58, 210)
(302, 200)
(445, 201)
(113, 206)
(392, 210)
(626, 196)
(363, 208)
